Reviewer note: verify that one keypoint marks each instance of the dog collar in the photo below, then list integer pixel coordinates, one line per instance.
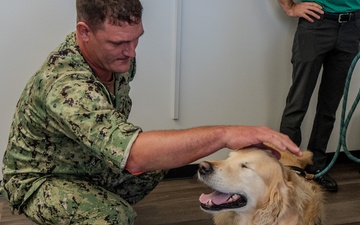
(301, 172)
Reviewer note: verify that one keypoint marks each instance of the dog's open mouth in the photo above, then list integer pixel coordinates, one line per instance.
(217, 201)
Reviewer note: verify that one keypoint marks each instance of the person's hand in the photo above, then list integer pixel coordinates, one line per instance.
(244, 136)
(306, 10)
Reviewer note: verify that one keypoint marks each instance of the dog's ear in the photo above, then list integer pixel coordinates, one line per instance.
(269, 148)
(306, 158)
(276, 201)
(275, 153)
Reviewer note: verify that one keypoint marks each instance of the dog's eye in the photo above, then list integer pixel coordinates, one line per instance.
(244, 165)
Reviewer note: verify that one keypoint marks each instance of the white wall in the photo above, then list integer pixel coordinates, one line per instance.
(235, 62)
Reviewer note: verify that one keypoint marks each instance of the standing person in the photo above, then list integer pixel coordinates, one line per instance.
(327, 37)
(72, 156)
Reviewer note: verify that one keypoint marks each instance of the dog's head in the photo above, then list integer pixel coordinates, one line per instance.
(241, 182)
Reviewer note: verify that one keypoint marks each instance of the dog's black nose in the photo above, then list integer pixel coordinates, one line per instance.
(205, 168)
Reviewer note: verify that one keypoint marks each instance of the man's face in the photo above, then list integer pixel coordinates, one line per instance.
(111, 48)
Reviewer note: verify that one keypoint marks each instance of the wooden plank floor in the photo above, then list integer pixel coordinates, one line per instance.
(175, 202)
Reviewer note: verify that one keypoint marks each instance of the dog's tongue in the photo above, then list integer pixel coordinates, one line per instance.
(216, 198)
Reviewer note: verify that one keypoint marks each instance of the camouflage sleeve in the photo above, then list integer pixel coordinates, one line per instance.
(84, 113)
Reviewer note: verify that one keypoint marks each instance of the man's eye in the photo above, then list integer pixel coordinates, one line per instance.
(118, 43)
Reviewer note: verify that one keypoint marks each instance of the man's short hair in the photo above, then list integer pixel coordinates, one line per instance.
(95, 12)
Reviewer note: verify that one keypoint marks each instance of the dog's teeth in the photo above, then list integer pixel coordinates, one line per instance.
(233, 198)
(209, 203)
(236, 197)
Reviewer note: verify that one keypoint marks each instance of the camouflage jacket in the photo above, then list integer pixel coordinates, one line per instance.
(67, 124)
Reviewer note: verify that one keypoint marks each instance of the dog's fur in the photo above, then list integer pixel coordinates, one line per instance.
(271, 193)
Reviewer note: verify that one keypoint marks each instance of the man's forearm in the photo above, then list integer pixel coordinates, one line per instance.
(156, 150)
(173, 148)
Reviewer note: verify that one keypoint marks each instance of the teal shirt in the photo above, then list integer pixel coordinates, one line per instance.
(338, 6)
(68, 124)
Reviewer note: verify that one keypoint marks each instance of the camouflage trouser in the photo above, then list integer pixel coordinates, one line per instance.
(101, 201)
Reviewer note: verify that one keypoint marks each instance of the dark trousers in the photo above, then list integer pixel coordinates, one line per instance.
(323, 44)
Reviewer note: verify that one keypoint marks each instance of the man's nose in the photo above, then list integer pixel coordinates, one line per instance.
(130, 50)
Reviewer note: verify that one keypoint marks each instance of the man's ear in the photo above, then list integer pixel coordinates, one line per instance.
(83, 31)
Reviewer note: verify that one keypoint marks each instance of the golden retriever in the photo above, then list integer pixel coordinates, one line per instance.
(252, 187)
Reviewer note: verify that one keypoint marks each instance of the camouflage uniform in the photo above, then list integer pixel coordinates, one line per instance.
(68, 146)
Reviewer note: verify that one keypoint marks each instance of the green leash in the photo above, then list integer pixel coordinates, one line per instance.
(345, 120)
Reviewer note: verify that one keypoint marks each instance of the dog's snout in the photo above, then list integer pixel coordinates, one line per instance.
(205, 168)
